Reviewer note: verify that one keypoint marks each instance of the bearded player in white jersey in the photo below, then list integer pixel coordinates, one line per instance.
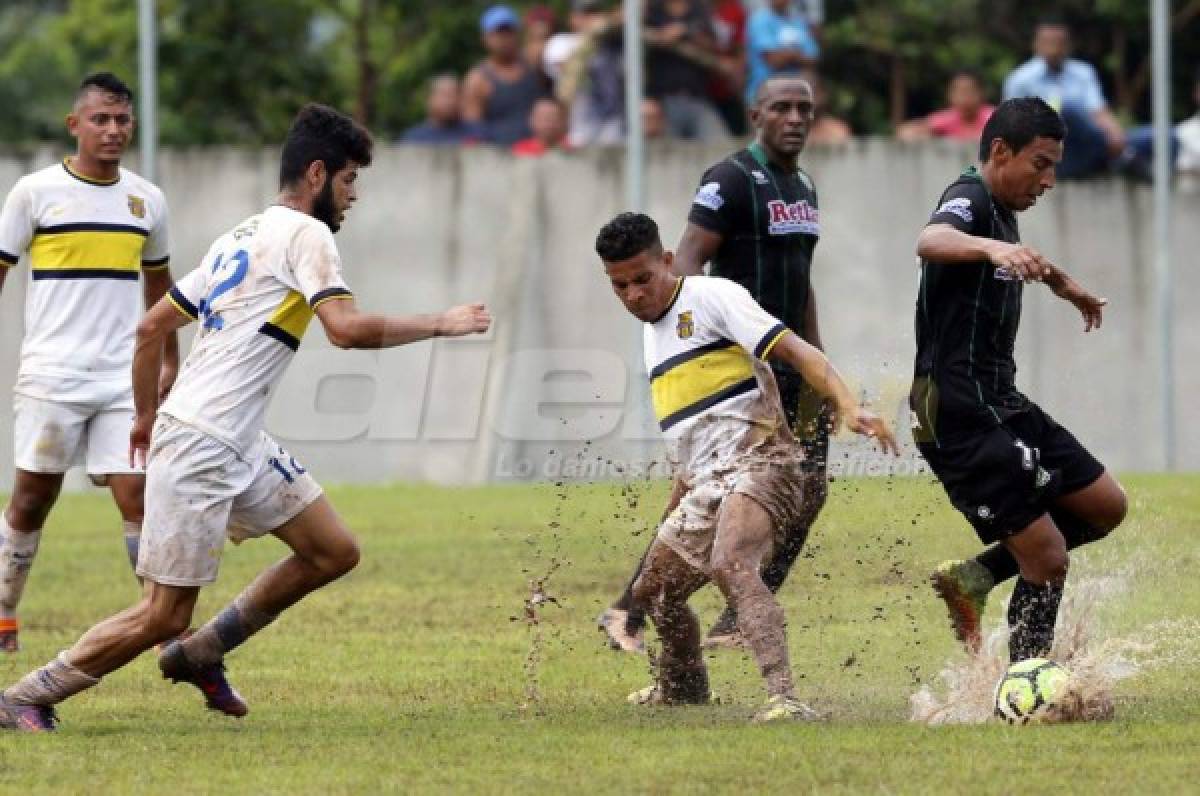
(739, 482)
(211, 469)
(90, 231)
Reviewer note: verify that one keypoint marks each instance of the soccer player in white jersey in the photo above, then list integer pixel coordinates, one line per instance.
(89, 229)
(210, 465)
(739, 480)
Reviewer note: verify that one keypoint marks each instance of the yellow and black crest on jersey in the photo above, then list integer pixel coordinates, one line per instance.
(686, 327)
(137, 206)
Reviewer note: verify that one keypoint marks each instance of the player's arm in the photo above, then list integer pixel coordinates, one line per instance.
(155, 284)
(697, 246)
(823, 377)
(475, 95)
(812, 332)
(16, 228)
(348, 327)
(1090, 306)
(158, 325)
(946, 245)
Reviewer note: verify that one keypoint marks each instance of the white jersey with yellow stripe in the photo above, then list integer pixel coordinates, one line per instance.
(86, 242)
(254, 295)
(714, 397)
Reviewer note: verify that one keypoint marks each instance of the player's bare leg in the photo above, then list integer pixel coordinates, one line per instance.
(322, 551)
(662, 591)
(128, 492)
(34, 494)
(724, 632)
(745, 535)
(1041, 552)
(162, 613)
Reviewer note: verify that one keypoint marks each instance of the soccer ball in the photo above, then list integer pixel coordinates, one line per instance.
(1029, 689)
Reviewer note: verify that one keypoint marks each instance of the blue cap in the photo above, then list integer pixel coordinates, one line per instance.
(498, 17)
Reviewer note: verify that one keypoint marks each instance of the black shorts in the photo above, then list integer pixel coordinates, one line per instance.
(1007, 476)
(808, 416)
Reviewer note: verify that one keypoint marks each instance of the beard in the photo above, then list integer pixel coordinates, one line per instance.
(323, 209)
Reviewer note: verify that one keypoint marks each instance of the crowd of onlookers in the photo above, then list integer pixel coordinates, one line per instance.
(547, 84)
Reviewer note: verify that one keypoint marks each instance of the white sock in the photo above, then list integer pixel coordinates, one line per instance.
(133, 538)
(51, 684)
(17, 549)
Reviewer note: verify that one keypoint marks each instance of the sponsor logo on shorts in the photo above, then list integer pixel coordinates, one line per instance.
(685, 327)
(984, 513)
(709, 196)
(1043, 477)
(960, 207)
(789, 219)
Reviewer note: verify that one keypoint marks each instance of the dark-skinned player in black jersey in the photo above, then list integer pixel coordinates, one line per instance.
(754, 218)
(1027, 486)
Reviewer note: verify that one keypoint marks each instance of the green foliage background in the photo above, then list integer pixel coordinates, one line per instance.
(234, 72)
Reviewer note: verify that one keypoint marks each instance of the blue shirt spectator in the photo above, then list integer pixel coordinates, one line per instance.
(1094, 136)
(779, 39)
(1073, 86)
(442, 123)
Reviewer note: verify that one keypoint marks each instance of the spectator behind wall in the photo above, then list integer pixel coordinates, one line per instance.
(962, 121)
(1070, 86)
(681, 53)
(1187, 137)
(499, 93)
(726, 82)
(442, 124)
(827, 129)
(548, 120)
(540, 26)
(588, 72)
(779, 39)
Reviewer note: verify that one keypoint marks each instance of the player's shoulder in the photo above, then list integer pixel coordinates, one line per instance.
(49, 176)
(1032, 68)
(134, 181)
(715, 288)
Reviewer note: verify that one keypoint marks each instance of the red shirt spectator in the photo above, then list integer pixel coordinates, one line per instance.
(962, 121)
(548, 120)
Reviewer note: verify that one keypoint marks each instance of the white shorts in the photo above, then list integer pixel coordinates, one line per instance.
(691, 529)
(198, 490)
(52, 437)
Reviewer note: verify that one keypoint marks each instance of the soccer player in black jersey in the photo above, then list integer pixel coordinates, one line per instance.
(754, 218)
(1027, 486)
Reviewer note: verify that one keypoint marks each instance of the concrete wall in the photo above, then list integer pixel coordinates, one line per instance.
(556, 389)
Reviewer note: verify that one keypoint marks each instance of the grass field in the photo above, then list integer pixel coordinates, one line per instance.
(412, 676)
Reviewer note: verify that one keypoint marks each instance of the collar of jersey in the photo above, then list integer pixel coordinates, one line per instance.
(89, 180)
(674, 298)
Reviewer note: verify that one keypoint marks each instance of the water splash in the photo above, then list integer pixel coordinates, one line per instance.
(964, 693)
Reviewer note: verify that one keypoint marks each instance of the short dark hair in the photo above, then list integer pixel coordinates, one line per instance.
(760, 93)
(627, 235)
(1017, 122)
(969, 74)
(321, 133)
(1052, 20)
(106, 82)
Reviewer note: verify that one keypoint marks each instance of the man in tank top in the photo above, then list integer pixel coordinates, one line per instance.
(500, 92)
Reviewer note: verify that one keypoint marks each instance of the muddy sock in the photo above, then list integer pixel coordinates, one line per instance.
(226, 631)
(761, 622)
(133, 538)
(1032, 612)
(682, 675)
(17, 551)
(51, 684)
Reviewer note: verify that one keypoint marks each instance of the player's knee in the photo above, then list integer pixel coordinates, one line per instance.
(159, 622)
(131, 506)
(1114, 512)
(729, 573)
(341, 557)
(29, 508)
(1050, 566)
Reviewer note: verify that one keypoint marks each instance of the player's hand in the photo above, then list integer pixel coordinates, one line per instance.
(139, 441)
(1090, 306)
(1023, 262)
(865, 422)
(464, 319)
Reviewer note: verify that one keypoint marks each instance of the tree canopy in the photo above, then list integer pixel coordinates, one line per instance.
(234, 73)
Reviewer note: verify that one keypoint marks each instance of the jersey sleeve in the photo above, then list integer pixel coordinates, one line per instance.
(16, 224)
(188, 293)
(722, 200)
(964, 206)
(157, 252)
(741, 319)
(317, 266)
